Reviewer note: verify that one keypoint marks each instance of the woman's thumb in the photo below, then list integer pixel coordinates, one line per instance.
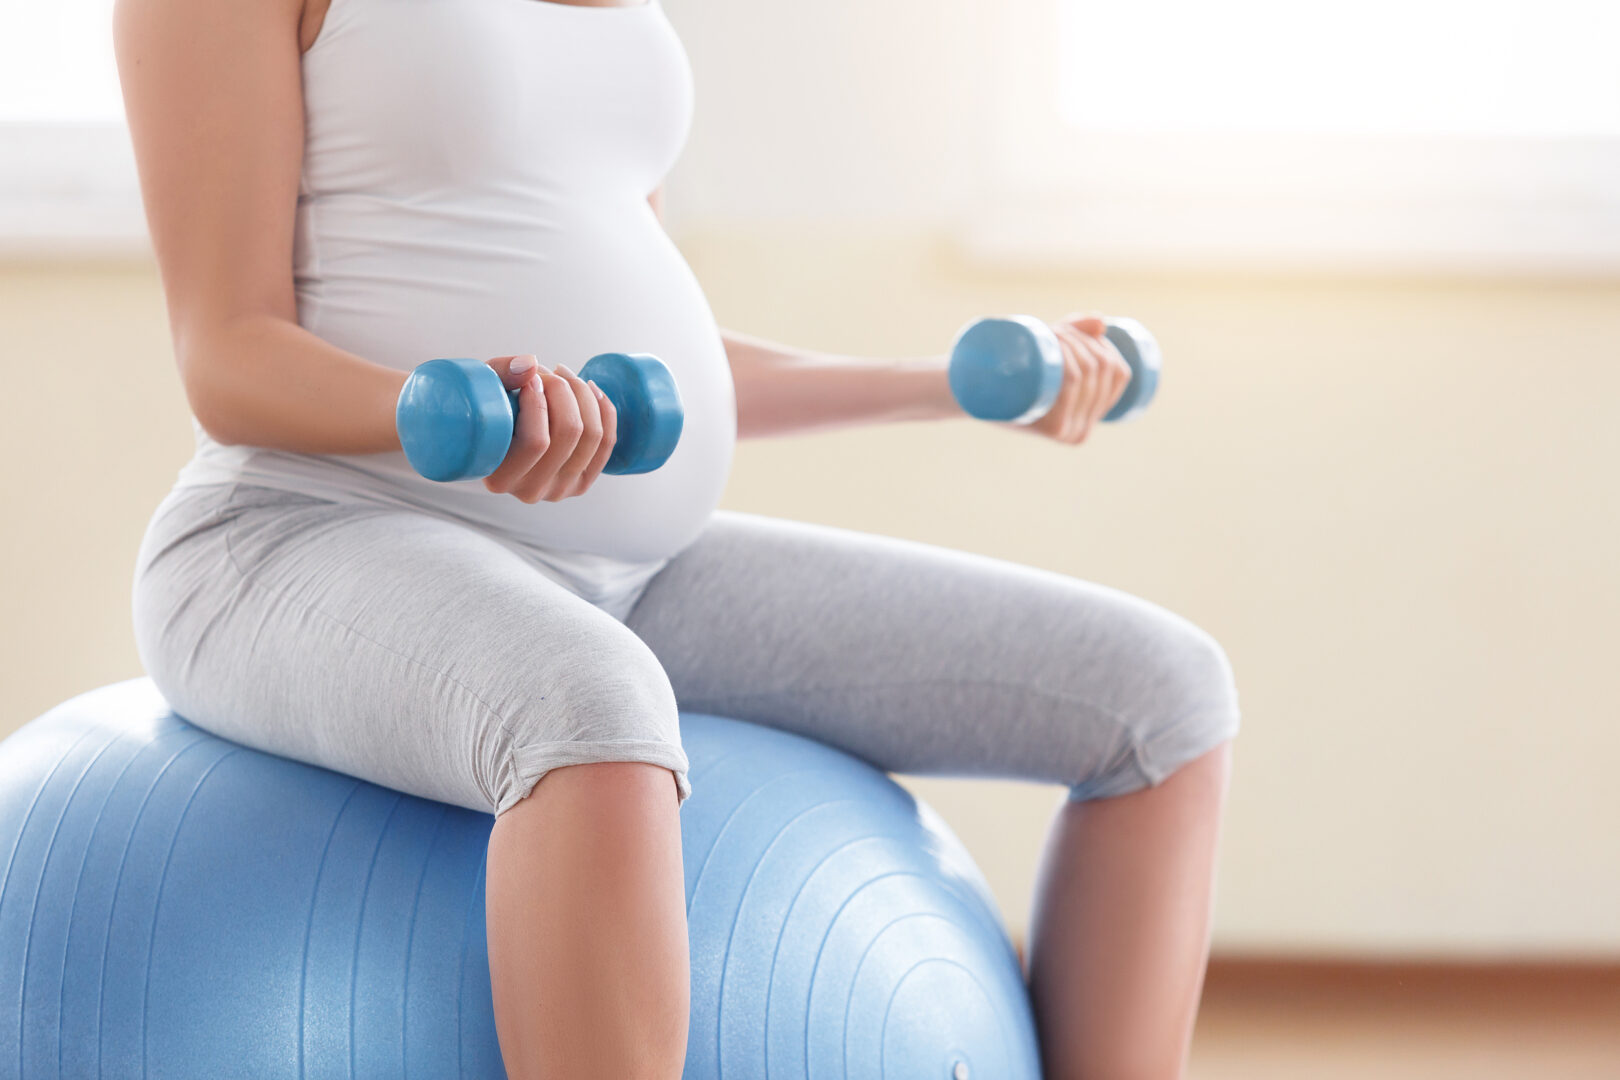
(514, 370)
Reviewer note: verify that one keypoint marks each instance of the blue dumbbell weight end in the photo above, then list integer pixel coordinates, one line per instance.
(1010, 368)
(455, 418)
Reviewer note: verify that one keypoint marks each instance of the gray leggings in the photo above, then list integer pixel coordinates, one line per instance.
(422, 654)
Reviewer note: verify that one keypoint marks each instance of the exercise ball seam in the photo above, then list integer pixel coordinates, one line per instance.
(118, 882)
(753, 875)
(410, 942)
(78, 885)
(872, 942)
(755, 726)
(855, 975)
(898, 983)
(360, 921)
(787, 915)
(157, 903)
(118, 878)
(50, 846)
(466, 937)
(821, 947)
(979, 899)
(22, 830)
(713, 765)
(309, 918)
(720, 832)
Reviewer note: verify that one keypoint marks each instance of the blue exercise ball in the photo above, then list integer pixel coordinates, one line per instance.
(175, 905)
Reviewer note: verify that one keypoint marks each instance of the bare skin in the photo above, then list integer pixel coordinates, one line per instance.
(1120, 932)
(586, 917)
(213, 95)
(783, 391)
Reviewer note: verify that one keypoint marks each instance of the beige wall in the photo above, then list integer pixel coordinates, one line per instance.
(95, 429)
(1395, 502)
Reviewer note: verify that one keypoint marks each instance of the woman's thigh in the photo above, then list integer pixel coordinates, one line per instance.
(391, 645)
(921, 659)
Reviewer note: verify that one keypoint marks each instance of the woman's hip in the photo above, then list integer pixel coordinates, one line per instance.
(388, 644)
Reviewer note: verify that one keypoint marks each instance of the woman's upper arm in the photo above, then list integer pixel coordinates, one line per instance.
(213, 93)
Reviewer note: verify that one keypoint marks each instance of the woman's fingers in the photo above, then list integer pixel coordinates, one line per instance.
(566, 428)
(562, 437)
(590, 437)
(514, 370)
(1083, 410)
(610, 436)
(1058, 420)
(1087, 323)
(1107, 372)
(1120, 372)
(531, 432)
(1071, 398)
(1115, 374)
(1095, 376)
(1109, 387)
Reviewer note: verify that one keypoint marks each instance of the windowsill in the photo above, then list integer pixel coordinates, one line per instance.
(1324, 236)
(69, 191)
(1051, 195)
(76, 229)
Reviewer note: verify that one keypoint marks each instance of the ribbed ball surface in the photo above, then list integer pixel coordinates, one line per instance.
(175, 905)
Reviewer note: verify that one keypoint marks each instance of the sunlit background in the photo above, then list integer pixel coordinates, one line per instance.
(1380, 244)
(1420, 67)
(56, 63)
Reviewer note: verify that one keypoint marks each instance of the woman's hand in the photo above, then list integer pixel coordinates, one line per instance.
(564, 434)
(1094, 377)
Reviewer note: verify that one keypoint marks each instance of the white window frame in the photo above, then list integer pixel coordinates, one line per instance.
(70, 190)
(1051, 195)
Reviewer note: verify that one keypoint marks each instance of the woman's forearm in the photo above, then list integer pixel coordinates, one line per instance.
(782, 391)
(265, 381)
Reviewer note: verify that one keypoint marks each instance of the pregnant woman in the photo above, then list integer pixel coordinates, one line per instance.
(338, 190)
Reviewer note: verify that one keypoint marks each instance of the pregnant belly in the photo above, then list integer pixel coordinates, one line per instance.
(610, 280)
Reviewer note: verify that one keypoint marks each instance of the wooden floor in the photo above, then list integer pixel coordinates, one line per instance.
(1268, 1020)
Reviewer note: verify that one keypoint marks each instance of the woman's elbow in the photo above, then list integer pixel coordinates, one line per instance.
(208, 396)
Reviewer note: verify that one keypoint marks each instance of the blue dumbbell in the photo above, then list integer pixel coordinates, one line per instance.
(1010, 368)
(455, 418)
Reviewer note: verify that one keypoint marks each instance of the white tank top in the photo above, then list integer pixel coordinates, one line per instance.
(475, 184)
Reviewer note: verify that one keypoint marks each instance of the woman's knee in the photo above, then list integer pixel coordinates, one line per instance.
(607, 704)
(1181, 705)
(1198, 679)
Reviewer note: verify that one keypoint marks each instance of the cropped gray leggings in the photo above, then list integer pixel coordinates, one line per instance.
(420, 653)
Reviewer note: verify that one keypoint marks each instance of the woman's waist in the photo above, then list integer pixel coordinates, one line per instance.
(625, 521)
(210, 492)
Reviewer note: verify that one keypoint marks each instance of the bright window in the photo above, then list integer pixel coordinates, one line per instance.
(1546, 68)
(1473, 136)
(67, 173)
(56, 62)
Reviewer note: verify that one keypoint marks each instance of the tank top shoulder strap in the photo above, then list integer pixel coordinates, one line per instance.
(339, 13)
